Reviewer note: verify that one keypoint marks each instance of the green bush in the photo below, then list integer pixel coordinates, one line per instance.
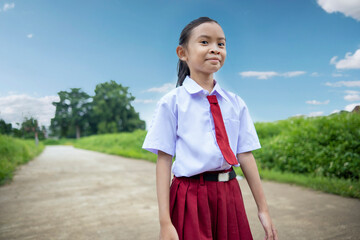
(318, 146)
(14, 152)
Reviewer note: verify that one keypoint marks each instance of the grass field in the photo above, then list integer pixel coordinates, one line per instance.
(14, 152)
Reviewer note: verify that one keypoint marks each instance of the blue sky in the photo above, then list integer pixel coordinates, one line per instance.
(284, 58)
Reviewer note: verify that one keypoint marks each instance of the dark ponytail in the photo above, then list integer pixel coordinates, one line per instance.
(182, 67)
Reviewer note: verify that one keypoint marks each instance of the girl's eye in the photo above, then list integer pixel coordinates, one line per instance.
(204, 42)
(222, 44)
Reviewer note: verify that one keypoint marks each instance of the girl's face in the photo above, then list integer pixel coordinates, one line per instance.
(205, 51)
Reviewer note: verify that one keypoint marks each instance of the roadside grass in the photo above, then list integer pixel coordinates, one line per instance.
(122, 144)
(15, 152)
(62, 141)
(342, 187)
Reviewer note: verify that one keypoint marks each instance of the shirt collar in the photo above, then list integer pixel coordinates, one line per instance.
(193, 87)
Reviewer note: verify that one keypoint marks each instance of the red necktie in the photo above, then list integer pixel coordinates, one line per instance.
(221, 136)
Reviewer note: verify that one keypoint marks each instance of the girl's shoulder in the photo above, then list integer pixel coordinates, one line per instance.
(169, 101)
(169, 97)
(235, 99)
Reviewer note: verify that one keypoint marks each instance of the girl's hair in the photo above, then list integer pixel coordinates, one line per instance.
(183, 69)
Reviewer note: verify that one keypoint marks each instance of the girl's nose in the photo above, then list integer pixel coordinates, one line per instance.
(215, 51)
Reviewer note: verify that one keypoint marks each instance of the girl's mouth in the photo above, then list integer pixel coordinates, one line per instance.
(213, 60)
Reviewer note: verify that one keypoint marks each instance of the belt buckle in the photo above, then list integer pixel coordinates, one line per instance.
(224, 177)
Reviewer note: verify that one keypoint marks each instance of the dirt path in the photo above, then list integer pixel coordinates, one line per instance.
(68, 193)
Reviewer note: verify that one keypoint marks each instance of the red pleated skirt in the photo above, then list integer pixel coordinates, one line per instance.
(208, 210)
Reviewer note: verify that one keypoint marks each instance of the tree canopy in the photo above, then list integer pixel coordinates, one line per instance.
(108, 111)
(5, 128)
(112, 109)
(71, 114)
(29, 128)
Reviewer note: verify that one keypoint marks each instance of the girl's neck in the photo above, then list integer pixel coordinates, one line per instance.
(206, 81)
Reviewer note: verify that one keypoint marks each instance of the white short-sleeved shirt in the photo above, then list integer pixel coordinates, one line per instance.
(182, 125)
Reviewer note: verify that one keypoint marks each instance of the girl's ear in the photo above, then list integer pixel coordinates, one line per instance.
(180, 51)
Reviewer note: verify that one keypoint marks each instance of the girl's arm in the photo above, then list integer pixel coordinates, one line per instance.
(163, 175)
(251, 173)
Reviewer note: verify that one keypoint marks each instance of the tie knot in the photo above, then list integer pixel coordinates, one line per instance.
(212, 99)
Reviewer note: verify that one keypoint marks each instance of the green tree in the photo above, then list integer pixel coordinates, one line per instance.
(16, 132)
(112, 110)
(5, 128)
(71, 114)
(31, 129)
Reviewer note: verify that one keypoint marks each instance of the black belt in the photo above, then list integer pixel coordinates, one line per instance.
(217, 177)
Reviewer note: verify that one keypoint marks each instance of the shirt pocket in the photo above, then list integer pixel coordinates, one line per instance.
(232, 129)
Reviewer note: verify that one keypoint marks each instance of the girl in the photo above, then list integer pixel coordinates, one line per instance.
(204, 200)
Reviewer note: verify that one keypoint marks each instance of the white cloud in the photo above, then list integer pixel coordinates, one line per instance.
(312, 114)
(315, 74)
(8, 6)
(164, 88)
(352, 92)
(335, 111)
(30, 35)
(259, 75)
(315, 102)
(315, 114)
(13, 108)
(267, 75)
(352, 97)
(350, 107)
(293, 74)
(349, 62)
(333, 60)
(343, 83)
(144, 101)
(338, 75)
(350, 8)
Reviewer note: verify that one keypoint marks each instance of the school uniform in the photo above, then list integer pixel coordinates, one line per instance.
(183, 126)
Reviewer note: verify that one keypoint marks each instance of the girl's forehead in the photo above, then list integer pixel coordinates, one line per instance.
(210, 29)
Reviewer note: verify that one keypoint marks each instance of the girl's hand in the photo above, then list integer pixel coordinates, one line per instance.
(168, 232)
(270, 230)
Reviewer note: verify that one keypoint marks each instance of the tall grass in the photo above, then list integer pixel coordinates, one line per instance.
(14, 152)
(123, 144)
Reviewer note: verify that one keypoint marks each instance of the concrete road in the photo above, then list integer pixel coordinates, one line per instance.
(68, 193)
